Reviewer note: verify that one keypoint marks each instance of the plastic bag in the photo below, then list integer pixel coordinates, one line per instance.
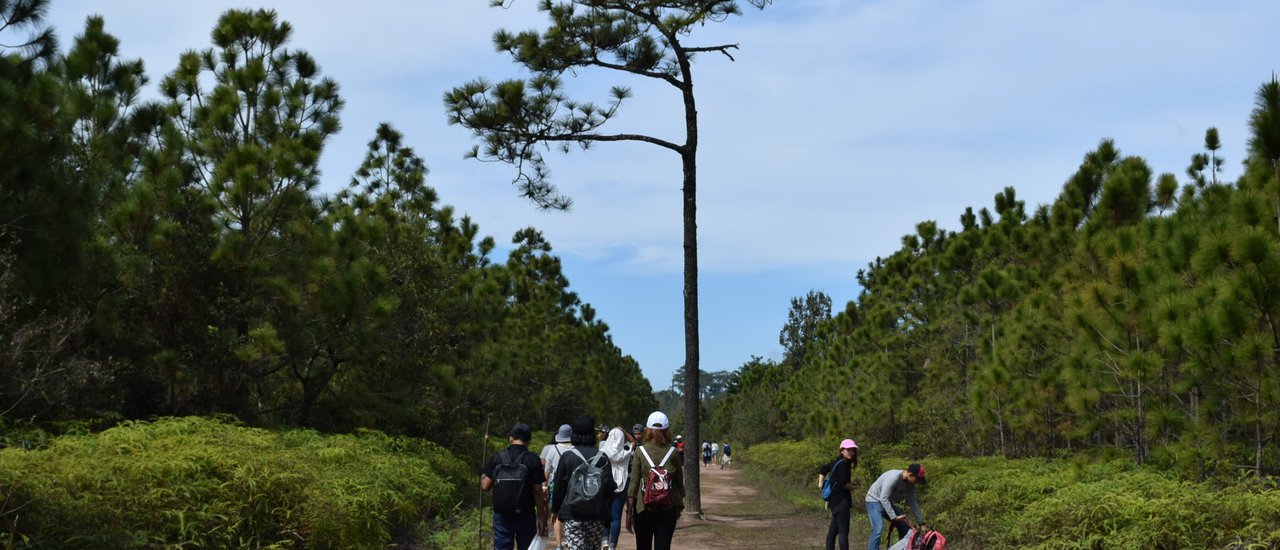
(904, 541)
(538, 543)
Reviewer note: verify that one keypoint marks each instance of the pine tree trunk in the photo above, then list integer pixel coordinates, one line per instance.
(692, 387)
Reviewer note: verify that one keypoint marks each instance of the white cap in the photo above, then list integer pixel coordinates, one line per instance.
(658, 421)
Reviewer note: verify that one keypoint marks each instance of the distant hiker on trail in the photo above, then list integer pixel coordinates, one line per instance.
(618, 446)
(706, 454)
(680, 447)
(515, 477)
(724, 456)
(550, 458)
(839, 501)
(894, 486)
(655, 490)
(715, 452)
(583, 484)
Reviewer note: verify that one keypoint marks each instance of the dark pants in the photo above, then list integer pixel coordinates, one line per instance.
(839, 525)
(514, 531)
(655, 528)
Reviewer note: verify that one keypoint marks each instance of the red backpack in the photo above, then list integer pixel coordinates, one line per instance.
(927, 540)
(657, 486)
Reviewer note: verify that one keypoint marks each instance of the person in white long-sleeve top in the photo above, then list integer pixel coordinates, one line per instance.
(618, 446)
(893, 486)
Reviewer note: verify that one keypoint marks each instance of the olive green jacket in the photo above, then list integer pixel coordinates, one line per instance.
(640, 473)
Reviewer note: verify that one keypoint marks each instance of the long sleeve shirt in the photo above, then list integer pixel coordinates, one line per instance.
(640, 473)
(619, 452)
(840, 475)
(890, 488)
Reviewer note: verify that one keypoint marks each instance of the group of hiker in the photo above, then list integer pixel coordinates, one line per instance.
(835, 480)
(715, 453)
(587, 486)
(591, 483)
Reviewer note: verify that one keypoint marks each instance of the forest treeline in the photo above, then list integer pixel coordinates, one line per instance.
(1136, 314)
(176, 256)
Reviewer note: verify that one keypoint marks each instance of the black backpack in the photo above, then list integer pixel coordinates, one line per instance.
(509, 479)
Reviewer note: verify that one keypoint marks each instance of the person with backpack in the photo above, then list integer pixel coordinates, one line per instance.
(583, 482)
(706, 454)
(655, 490)
(725, 458)
(894, 486)
(514, 476)
(618, 447)
(550, 456)
(836, 484)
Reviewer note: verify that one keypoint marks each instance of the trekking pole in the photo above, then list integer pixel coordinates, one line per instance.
(484, 459)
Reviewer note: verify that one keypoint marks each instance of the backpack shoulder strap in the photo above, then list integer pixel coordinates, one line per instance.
(574, 450)
(504, 457)
(646, 456)
(664, 458)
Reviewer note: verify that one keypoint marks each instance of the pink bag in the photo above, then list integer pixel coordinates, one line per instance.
(928, 540)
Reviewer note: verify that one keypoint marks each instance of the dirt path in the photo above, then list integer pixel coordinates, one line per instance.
(738, 515)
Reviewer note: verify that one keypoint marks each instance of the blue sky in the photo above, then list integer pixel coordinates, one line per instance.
(841, 125)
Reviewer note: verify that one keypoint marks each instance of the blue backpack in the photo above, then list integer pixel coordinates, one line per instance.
(829, 484)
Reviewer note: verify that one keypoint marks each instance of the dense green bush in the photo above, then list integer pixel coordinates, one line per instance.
(211, 483)
(992, 502)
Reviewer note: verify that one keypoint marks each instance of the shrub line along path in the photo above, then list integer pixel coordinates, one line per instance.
(738, 514)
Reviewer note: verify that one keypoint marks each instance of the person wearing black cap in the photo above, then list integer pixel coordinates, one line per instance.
(516, 497)
(894, 486)
(582, 531)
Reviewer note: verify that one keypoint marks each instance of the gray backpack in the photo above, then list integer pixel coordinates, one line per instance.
(588, 486)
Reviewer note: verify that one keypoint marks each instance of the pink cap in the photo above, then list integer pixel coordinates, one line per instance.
(848, 444)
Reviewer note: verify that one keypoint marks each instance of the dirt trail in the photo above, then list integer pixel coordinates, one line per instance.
(738, 515)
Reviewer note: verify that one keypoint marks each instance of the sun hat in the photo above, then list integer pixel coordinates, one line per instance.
(848, 444)
(564, 434)
(584, 425)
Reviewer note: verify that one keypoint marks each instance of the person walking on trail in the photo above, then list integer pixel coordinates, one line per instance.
(724, 454)
(894, 486)
(583, 530)
(618, 446)
(550, 456)
(706, 454)
(841, 502)
(514, 476)
(655, 490)
(715, 452)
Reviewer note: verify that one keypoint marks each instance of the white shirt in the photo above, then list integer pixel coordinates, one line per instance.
(551, 455)
(619, 452)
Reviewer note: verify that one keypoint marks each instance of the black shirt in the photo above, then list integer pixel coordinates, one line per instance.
(568, 463)
(535, 477)
(840, 475)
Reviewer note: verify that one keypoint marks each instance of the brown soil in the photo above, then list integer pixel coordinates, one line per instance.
(738, 515)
